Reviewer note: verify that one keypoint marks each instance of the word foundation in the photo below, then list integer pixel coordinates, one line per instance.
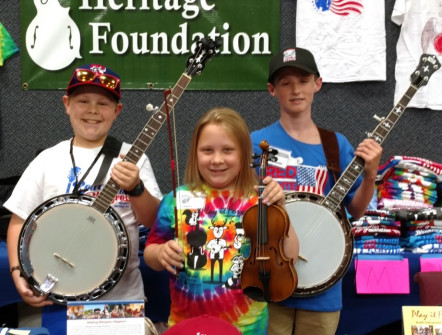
(159, 42)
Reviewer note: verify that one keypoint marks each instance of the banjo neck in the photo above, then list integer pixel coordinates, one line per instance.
(142, 142)
(204, 51)
(427, 66)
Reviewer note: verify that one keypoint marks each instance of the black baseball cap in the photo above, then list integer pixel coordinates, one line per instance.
(294, 57)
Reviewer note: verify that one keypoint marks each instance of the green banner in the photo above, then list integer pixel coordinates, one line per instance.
(148, 41)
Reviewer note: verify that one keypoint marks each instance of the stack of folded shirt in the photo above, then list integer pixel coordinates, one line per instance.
(424, 236)
(408, 183)
(412, 183)
(377, 232)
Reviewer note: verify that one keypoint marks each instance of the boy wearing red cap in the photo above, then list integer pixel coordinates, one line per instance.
(92, 102)
(294, 79)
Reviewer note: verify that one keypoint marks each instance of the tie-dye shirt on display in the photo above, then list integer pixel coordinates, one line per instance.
(211, 235)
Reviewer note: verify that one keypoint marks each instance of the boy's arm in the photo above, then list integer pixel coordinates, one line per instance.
(145, 208)
(13, 234)
(371, 152)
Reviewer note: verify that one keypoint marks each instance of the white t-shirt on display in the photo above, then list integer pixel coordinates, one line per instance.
(346, 38)
(421, 33)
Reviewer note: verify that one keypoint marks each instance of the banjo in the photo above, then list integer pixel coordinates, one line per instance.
(94, 257)
(325, 237)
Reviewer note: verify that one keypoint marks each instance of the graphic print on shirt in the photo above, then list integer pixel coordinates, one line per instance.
(196, 238)
(121, 199)
(217, 246)
(431, 38)
(300, 178)
(239, 237)
(236, 268)
(71, 179)
(339, 7)
(217, 218)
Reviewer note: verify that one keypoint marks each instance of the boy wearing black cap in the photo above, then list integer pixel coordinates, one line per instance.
(294, 79)
(92, 102)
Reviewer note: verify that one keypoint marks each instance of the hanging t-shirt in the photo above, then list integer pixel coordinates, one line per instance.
(421, 33)
(347, 38)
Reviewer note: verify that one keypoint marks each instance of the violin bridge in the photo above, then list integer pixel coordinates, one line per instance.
(263, 258)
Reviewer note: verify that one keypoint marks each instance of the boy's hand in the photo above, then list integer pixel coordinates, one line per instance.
(126, 175)
(370, 151)
(27, 294)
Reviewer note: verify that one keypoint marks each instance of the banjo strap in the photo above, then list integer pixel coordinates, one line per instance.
(331, 150)
(111, 149)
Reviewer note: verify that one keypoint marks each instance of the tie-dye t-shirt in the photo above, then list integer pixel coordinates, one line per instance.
(211, 235)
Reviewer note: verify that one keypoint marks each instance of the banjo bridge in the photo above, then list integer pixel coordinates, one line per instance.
(64, 260)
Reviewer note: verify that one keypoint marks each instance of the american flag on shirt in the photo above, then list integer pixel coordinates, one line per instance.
(311, 179)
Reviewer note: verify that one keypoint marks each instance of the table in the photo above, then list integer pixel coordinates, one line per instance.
(361, 314)
(365, 313)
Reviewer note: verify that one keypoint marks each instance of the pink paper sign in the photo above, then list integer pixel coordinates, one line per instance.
(431, 264)
(382, 276)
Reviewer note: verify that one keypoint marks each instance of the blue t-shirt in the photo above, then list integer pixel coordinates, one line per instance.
(305, 170)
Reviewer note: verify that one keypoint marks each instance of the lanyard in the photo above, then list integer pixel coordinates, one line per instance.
(77, 190)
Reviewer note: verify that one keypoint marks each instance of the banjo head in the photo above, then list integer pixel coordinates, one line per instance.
(71, 251)
(325, 243)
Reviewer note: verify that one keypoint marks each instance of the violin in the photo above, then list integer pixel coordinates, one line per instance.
(267, 275)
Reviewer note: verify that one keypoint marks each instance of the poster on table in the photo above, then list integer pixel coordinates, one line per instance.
(422, 320)
(105, 317)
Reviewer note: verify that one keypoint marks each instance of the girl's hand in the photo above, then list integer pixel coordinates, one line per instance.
(170, 256)
(272, 193)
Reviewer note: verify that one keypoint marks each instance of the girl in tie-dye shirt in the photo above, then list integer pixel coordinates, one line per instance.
(202, 243)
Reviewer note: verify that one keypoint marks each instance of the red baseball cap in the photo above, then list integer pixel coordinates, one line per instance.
(97, 75)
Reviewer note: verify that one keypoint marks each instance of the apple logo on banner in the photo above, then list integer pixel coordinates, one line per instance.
(52, 38)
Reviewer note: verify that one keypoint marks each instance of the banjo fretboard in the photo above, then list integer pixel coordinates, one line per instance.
(427, 66)
(205, 50)
(142, 142)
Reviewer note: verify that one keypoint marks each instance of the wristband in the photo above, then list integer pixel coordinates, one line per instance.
(138, 190)
(13, 269)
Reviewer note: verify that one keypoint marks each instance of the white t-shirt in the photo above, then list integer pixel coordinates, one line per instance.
(51, 174)
(421, 33)
(347, 39)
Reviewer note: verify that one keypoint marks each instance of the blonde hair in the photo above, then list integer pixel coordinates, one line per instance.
(235, 126)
